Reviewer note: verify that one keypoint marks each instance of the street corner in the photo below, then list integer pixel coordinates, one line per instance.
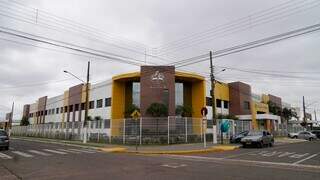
(222, 148)
(286, 140)
(113, 150)
(218, 148)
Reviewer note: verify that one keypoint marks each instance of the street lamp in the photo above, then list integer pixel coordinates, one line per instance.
(86, 102)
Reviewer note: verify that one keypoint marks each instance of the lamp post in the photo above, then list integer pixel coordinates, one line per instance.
(86, 102)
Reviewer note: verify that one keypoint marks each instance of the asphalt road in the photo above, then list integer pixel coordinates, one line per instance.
(34, 160)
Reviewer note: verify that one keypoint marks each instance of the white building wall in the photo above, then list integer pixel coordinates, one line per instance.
(33, 109)
(102, 91)
(222, 110)
(53, 103)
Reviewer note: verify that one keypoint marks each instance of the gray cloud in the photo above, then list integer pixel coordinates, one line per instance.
(155, 23)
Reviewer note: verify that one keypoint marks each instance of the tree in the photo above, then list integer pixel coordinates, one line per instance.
(288, 113)
(130, 109)
(97, 118)
(89, 118)
(24, 121)
(157, 110)
(274, 109)
(228, 116)
(184, 111)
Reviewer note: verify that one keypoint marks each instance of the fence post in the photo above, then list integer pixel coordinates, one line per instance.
(124, 131)
(186, 128)
(140, 131)
(201, 133)
(168, 130)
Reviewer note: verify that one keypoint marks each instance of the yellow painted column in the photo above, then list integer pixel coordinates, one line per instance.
(198, 102)
(254, 116)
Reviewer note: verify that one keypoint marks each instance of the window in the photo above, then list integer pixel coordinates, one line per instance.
(71, 108)
(226, 104)
(82, 106)
(45, 112)
(76, 107)
(246, 105)
(66, 109)
(57, 110)
(179, 94)
(208, 101)
(135, 94)
(99, 103)
(61, 110)
(49, 111)
(218, 101)
(107, 123)
(91, 104)
(107, 102)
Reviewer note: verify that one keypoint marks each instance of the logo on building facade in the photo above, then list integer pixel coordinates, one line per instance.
(158, 80)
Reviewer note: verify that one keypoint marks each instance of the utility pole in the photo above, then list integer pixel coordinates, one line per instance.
(304, 111)
(213, 103)
(315, 115)
(11, 119)
(86, 105)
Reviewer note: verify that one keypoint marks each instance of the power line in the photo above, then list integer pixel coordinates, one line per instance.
(258, 43)
(72, 47)
(249, 24)
(71, 26)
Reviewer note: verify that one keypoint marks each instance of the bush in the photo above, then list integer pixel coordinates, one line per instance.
(184, 111)
(157, 110)
(129, 110)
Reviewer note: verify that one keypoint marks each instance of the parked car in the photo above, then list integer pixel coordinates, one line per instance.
(4, 140)
(237, 138)
(294, 135)
(306, 135)
(258, 138)
(316, 132)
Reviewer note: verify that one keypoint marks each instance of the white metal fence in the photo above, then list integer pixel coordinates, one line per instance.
(168, 130)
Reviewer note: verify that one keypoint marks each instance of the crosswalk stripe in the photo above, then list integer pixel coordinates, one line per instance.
(69, 151)
(82, 150)
(54, 151)
(39, 152)
(5, 156)
(22, 154)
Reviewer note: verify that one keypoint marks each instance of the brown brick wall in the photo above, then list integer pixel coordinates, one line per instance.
(239, 93)
(152, 90)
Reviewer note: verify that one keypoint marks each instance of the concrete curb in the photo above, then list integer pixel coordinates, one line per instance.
(208, 150)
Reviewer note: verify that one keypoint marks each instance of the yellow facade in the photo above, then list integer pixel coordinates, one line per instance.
(222, 91)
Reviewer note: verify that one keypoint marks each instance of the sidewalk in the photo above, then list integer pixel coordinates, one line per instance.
(143, 149)
(6, 175)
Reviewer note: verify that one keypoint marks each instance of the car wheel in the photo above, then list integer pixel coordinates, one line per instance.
(295, 137)
(6, 148)
(310, 139)
(244, 145)
(260, 145)
(271, 144)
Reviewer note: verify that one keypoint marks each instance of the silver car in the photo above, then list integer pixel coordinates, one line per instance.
(4, 140)
(306, 135)
(258, 138)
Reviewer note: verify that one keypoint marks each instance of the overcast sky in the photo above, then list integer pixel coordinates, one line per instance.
(135, 26)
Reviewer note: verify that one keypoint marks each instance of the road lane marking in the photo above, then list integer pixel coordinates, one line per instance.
(69, 151)
(174, 165)
(39, 153)
(300, 161)
(54, 151)
(5, 156)
(302, 167)
(22, 154)
(82, 150)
